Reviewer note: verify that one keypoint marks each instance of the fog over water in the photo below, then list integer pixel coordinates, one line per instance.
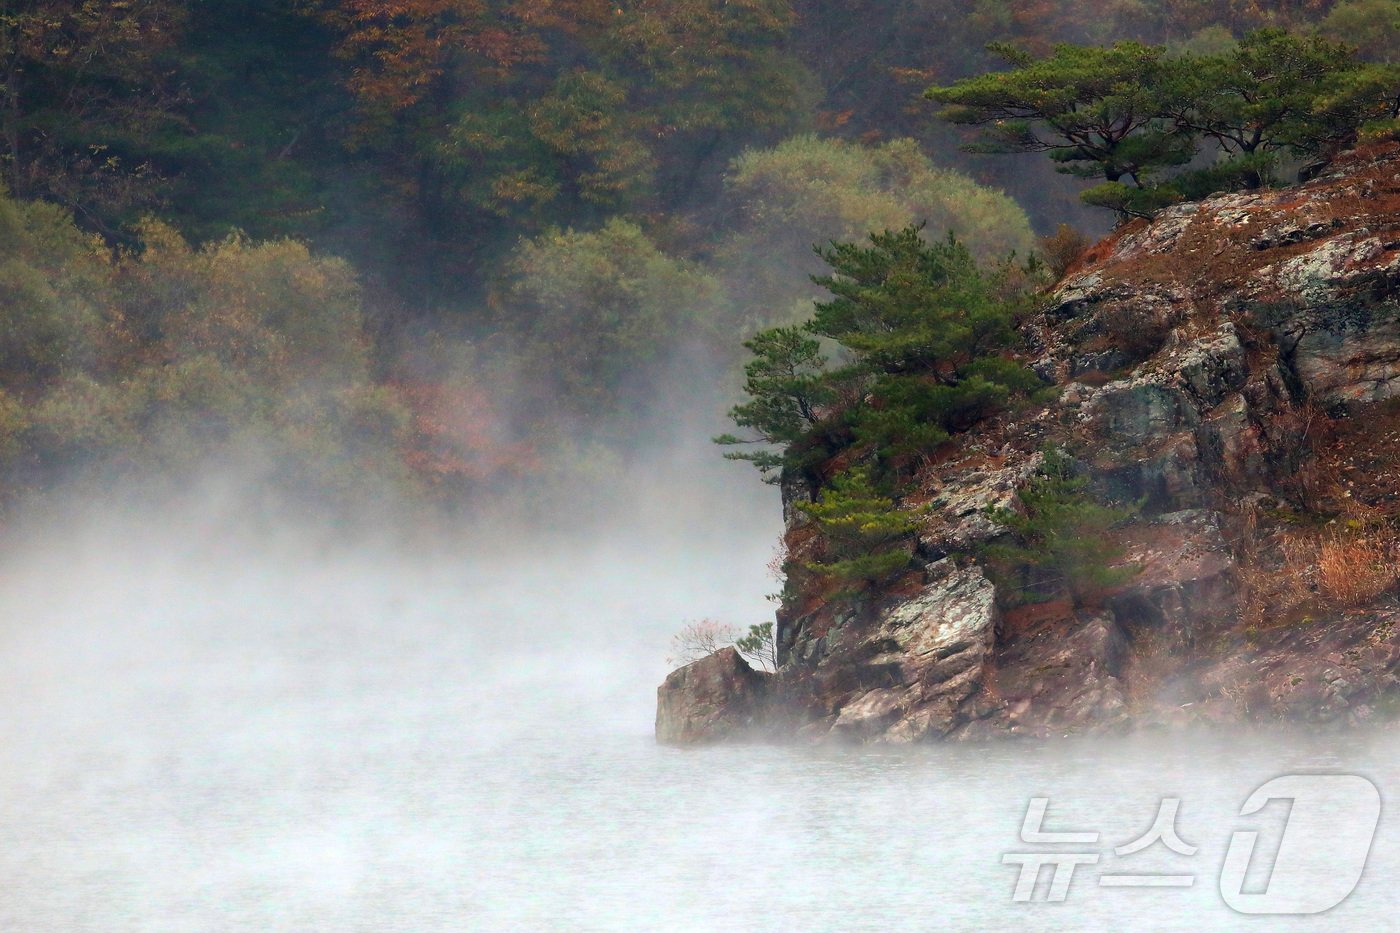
(214, 725)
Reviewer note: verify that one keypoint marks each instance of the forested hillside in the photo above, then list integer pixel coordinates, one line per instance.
(432, 243)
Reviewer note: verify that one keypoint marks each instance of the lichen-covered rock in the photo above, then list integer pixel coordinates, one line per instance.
(1139, 411)
(1213, 367)
(716, 697)
(1345, 358)
(1334, 267)
(903, 675)
(955, 518)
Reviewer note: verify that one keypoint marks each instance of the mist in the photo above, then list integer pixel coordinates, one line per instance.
(220, 718)
(173, 669)
(214, 722)
(232, 707)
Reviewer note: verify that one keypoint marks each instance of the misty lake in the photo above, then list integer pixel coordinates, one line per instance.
(208, 732)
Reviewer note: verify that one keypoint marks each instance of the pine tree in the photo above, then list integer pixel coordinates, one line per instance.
(1135, 118)
(1096, 111)
(924, 324)
(922, 330)
(788, 389)
(866, 534)
(1062, 545)
(759, 648)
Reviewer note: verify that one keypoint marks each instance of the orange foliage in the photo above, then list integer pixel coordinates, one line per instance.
(458, 435)
(403, 48)
(1353, 570)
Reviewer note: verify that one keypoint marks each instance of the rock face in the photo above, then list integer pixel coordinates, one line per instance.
(1055, 681)
(718, 697)
(1227, 368)
(907, 675)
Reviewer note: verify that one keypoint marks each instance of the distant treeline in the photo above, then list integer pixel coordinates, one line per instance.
(544, 210)
(420, 138)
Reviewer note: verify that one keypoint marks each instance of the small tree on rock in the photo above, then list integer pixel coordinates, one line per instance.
(699, 640)
(865, 533)
(1062, 543)
(759, 648)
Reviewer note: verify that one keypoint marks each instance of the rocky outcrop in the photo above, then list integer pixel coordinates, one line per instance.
(908, 673)
(1208, 366)
(1186, 589)
(959, 500)
(717, 697)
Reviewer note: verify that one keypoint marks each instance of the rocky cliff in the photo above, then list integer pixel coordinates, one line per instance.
(1233, 369)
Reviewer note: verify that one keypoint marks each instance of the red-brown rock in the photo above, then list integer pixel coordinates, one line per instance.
(717, 697)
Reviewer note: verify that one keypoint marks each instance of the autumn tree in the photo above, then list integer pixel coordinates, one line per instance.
(1371, 26)
(167, 355)
(810, 189)
(597, 319)
(85, 87)
(52, 278)
(505, 113)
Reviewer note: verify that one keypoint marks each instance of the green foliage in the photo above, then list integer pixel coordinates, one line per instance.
(1371, 26)
(905, 417)
(84, 87)
(421, 138)
(578, 144)
(865, 533)
(923, 323)
(1136, 118)
(1130, 200)
(789, 392)
(440, 144)
(902, 304)
(49, 273)
(257, 143)
(169, 355)
(1273, 92)
(517, 116)
(1094, 110)
(758, 647)
(816, 190)
(824, 189)
(1062, 542)
(595, 316)
(921, 329)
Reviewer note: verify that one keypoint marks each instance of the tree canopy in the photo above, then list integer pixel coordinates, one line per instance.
(577, 202)
(780, 200)
(922, 332)
(1143, 121)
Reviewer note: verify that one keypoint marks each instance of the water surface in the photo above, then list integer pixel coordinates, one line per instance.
(204, 733)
